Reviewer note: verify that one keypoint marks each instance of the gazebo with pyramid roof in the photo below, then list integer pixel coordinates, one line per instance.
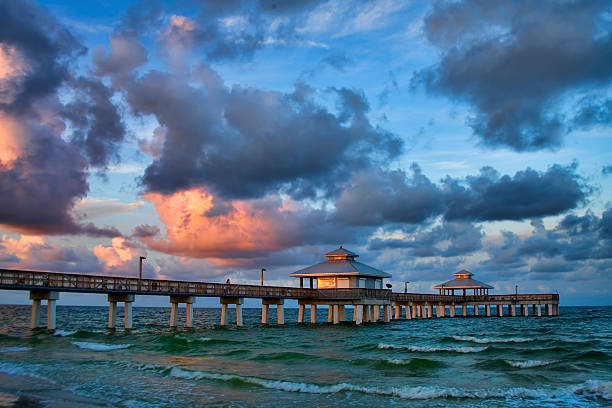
(341, 270)
(463, 280)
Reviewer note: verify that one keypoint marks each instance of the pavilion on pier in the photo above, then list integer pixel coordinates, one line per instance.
(341, 270)
(463, 281)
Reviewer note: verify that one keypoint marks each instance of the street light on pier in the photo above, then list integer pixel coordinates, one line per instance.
(140, 267)
(406, 286)
(261, 276)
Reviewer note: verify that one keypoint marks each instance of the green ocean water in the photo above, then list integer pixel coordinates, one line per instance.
(563, 361)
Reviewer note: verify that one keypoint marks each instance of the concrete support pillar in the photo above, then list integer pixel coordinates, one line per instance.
(452, 310)
(408, 312)
(387, 313)
(341, 312)
(533, 309)
(550, 309)
(429, 311)
(366, 313)
(500, 310)
(512, 310)
(330, 314)
(238, 314)
(223, 313)
(51, 314)
(539, 309)
(422, 311)
(442, 310)
(376, 313)
(301, 313)
(414, 310)
(280, 314)
(35, 320)
(373, 317)
(112, 314)
(36, 296)
(189, 317)
(127, 314)
(264, 313)
(488, 310)
(476, 312)
(313, 314)
(397, 312)
(336, 313)
(464, 310)
(358, 312)
(175, 300)
(174, 306)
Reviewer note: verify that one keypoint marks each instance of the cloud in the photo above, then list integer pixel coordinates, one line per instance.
(37, 252)
(247, 229)
(125, 53)
(246, 142)
(515, 63)
(449, 239)
(92, 207)
(527, 194)
(34, 51)
(97, 126)
(376, 197)
(42, 174)
(120, 252)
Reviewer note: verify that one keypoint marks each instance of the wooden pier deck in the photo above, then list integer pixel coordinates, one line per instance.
(366, 303)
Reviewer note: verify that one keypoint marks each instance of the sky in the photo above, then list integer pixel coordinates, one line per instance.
(220, 137)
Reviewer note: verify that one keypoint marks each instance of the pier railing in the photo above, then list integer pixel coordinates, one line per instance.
(68, 282)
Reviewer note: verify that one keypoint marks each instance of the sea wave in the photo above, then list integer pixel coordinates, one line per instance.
(595, 388)
(412, 393)
(100, 346)
(528, 363)
(14, 349)
(64, 333)
(429, 349)
(485, 340)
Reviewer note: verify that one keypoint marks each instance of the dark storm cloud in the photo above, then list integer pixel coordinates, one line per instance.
(45, 47)
(514, 62)
(447, 240)
(594, 112)
(576, 243)
(245, 142)
(375, 197)
(529, 193)
(98, 127)
(39, 188)
(142, 231)
(125, 53)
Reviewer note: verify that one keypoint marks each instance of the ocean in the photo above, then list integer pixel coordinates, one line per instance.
(563, 361)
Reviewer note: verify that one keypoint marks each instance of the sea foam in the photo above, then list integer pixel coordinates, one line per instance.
(64, 333)
(429, 349)
(14, 349)
(528, 363)
(485, 340)
(413, 393)
(99, 346)
(596, 388)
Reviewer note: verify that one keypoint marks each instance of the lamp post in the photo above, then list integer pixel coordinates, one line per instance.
(140, 267)
(261, 276)
(406, 286)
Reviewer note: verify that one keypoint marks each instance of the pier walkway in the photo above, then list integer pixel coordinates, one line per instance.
(367, 304)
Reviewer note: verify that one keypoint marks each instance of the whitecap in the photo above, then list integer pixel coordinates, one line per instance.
(528, 363)
(64, 333)
(99, 346)
(429, 349)
(14, 349)
(412, 393)
(596, 388)
(485, 340)
(204, 338)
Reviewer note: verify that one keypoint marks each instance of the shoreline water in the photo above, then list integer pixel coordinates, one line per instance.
(560, 361)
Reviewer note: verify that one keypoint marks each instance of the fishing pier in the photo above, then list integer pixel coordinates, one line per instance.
(366, 303)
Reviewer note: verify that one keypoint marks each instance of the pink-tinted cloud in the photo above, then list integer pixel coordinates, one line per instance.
(120, 252)
(200, 227)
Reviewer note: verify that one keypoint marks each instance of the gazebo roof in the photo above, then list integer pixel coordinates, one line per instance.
(463, 280)
(340, 262)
